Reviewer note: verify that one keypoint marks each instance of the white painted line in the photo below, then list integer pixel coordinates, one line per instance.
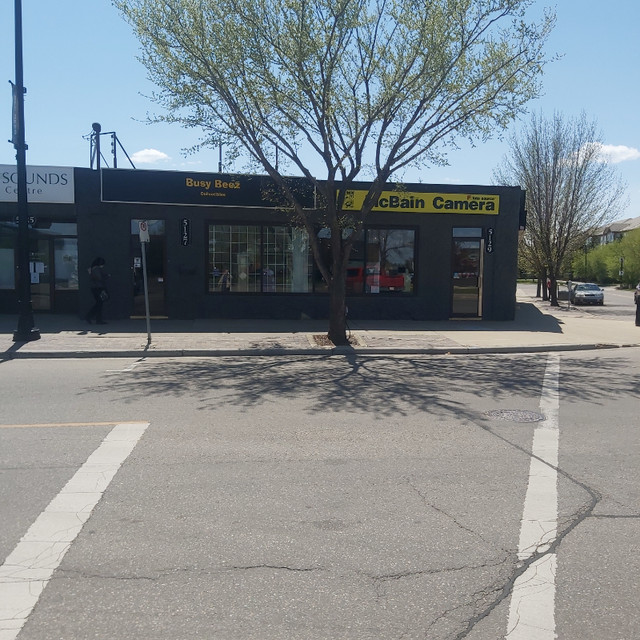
(128, 369)
(29, 567)
(48, 425)
(532, 608)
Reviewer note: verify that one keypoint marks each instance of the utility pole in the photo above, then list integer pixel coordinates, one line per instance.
(95, 145)
(114, 151)
(26, 330)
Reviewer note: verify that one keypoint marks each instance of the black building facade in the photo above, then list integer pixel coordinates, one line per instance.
(221, 246)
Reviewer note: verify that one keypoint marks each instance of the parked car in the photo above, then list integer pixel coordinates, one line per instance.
(587, 293)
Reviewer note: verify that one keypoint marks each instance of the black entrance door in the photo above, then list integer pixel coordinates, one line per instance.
(466, 283)
(155, 257)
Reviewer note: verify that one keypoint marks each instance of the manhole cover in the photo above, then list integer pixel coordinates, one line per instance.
(515, 415)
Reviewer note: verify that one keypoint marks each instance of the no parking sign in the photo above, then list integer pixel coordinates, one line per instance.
(143, 230)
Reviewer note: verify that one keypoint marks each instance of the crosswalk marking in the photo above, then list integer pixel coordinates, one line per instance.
(44, 425)
(29, 567)
(532, 607)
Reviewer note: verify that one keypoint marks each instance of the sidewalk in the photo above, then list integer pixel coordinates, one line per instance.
(537, 327)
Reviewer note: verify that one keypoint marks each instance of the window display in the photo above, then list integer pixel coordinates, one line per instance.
(259, 259)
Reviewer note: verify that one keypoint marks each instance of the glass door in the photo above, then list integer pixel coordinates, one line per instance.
(53, 264)
(65, 275)
(40, 273)
(466, 284)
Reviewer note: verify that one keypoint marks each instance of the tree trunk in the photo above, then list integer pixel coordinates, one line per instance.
(553, 294)
(337, 313)
(338, 291)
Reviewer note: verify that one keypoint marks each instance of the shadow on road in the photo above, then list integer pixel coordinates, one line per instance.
(380, 386)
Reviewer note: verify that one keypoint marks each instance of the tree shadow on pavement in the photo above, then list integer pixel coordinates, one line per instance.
(384, 386)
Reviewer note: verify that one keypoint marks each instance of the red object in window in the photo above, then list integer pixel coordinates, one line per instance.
(385, 281)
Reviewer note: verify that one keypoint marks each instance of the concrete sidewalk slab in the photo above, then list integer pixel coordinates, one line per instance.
(537, 327)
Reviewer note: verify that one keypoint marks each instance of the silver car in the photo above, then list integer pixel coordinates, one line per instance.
(587, 293)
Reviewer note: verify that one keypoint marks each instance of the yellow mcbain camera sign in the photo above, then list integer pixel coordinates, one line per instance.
(419, 202)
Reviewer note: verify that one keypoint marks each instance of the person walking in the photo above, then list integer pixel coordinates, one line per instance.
(98, 281)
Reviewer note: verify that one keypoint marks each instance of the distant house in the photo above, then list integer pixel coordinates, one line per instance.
(614, 231)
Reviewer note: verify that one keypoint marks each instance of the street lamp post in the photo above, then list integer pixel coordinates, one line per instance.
(26, 330)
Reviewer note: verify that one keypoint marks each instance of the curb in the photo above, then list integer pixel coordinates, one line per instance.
(321, 352)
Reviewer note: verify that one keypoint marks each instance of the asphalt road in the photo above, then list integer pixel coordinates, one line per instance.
(346, 497)
(618, 303)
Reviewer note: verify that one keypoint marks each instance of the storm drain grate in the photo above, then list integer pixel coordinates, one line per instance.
(515, 415)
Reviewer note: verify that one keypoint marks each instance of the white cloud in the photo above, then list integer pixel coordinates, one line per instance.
(190, 163)
(618, 153)
(149, 156)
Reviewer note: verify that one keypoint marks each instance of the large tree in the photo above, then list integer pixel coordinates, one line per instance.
(571, 189)
(344, 90)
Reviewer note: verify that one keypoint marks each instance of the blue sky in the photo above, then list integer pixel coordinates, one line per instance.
(80, 67)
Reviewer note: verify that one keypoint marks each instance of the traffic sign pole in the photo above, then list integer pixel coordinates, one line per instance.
(144, 239)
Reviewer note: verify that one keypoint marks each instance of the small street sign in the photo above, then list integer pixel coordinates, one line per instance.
(143, 229)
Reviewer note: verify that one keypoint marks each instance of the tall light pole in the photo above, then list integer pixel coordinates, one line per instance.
(26, 330)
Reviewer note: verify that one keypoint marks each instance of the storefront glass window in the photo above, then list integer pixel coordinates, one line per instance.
(381, 261)
(390, 261)
(258, 259)
(355, 276)
(278, 259)
(324, 244)
(8, 232)
(467, 232)
(57, 228)
(65, 257)
(287, 263)
(234, 258)
(45, 235)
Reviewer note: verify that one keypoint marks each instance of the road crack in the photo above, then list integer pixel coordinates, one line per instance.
(275, 568)
(546, 547)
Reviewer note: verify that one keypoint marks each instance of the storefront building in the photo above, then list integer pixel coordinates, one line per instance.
(222, 246)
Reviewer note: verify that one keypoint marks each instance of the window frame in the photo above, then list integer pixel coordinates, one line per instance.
(314, 287)
(262, 261)
(376, 277)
